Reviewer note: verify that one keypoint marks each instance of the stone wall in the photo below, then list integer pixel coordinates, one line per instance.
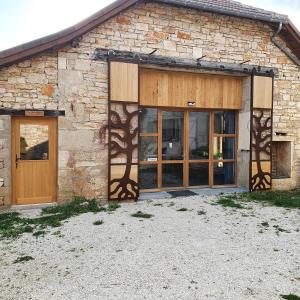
(71, 80)
(5, 158)
(243, 152)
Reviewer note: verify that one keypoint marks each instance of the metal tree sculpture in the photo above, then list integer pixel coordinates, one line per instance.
(122, 136)
(261, 143)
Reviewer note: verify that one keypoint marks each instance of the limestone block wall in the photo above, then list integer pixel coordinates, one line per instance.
(243, 153)
(5, 161)
(71, 80)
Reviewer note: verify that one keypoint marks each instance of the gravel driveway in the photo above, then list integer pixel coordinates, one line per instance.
(205, 252)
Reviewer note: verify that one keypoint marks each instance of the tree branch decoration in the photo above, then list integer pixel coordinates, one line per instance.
(122, 136)
(261, 143)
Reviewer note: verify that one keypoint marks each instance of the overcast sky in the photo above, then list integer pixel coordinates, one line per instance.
(25, 20)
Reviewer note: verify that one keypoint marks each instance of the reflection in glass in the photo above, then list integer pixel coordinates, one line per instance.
(148, 120)
(172, 175)
(199, 135)
(148, 176)
(198, 174)
(148, 148)
(172, 135)
(33, 142)
(223, 173)
(223, 148)
(224, 122)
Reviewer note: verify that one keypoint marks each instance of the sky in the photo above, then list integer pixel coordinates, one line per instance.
(22, 21)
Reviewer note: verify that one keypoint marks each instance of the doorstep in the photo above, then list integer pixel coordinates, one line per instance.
(32, 206)
(190, 192)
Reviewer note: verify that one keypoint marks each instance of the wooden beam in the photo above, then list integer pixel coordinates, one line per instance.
(26, 112)
(146, 59)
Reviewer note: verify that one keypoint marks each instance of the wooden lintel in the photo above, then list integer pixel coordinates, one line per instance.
(175, 62)
(31, 112)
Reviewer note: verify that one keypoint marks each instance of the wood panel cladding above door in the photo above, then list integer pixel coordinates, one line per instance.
(123, 82)
(176, 89)
(262, 92)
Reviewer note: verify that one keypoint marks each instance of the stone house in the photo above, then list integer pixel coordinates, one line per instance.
(149, 96)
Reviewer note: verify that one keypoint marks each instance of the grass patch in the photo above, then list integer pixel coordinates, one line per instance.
(140, 214)
(13, 225)
(287, 199)
(22, 259)
(99, 222)
(182, 209)
(290, 297)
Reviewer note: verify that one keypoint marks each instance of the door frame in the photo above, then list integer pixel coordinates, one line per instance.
(13, 152)
(186, 161)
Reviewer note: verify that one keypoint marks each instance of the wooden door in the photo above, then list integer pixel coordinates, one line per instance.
(34, 160)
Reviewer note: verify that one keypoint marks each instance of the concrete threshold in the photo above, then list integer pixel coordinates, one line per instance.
(32, 206)
(199, 192)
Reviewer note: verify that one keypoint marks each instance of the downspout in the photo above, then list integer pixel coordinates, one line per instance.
(282, 48)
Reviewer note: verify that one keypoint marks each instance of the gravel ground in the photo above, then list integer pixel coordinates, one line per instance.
(223, 253)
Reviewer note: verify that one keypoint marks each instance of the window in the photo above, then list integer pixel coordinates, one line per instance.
(281, 159)
(34, 142)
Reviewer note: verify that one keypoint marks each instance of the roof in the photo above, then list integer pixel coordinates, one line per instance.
(224, 7)
(230, 7)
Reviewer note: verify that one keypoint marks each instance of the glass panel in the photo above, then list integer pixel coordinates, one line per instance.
(198, 174)
(33, 142)
(223, 148)
(224, 122)
(148, 176)
(223, 173)
(199, 135)
(172, 135)
(172, 175)
(148, 120)
(148, 148)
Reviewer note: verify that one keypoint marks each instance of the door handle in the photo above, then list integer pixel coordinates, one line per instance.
(17, 161)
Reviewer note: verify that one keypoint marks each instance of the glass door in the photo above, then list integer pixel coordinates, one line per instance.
(172, 151)
(182, 148)
(199, 148)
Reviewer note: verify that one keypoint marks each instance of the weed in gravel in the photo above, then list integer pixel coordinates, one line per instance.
(98, 222)
(22, 259)
(39, 233)
(113, 206)
(171, 204)
(182, 209)
(157, 204)
(228, 201)
(290, 297)
(58, 234)
(201, 212)
(265, 224)
(279, 229)
(76, 207)
(140, 214)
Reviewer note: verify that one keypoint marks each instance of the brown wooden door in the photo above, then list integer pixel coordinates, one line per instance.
(34, 160)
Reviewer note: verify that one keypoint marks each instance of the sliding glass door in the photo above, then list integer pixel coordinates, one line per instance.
(181, 148)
